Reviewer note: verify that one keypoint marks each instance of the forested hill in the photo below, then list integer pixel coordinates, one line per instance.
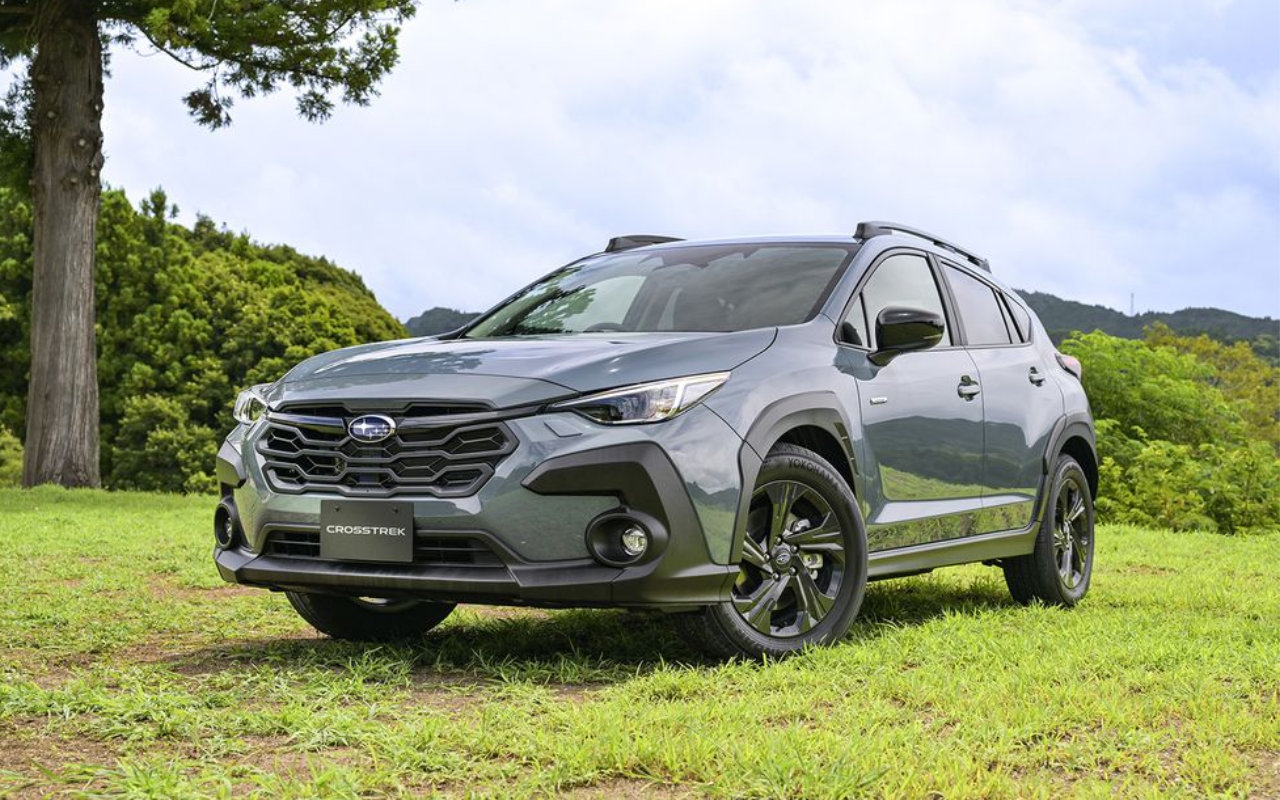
(186, 318)
(1061, 317)
(438, 320)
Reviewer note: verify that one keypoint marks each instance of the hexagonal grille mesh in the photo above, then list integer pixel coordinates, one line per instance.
(447, 452)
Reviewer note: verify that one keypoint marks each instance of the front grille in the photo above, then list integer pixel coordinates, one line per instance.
(428, 549)
(446, 451)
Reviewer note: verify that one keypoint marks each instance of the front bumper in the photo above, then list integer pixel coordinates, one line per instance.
(531, 518)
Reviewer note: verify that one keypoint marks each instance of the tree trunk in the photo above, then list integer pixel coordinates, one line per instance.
(62, 403)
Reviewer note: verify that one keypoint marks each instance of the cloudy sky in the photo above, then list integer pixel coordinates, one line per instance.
(1090, 148)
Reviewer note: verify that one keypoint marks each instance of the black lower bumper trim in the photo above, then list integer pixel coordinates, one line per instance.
(561, 584)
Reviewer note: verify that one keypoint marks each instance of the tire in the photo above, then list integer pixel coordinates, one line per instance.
(803, 570)
(368, 619)
(1066, 537)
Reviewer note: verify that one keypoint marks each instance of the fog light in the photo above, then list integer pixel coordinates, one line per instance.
(634, 540)
(226, 525)
(624, 537)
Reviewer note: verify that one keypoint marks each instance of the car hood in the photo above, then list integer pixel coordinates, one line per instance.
(513, 371)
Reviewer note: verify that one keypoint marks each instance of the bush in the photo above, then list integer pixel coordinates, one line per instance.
(1154, 391)
(10, 459)
(158, 449)
(1187, 431)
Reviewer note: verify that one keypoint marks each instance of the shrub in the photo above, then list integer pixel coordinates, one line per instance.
(10, 459)
(1187, 432)
(158, 449)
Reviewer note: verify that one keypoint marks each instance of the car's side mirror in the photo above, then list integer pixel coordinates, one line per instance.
(902, 330)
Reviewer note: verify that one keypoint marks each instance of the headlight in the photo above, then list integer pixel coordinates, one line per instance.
(646, 402)
(251, 403)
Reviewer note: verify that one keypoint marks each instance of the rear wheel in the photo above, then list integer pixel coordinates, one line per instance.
(803, 568)
(368, 619)
(1058, 571)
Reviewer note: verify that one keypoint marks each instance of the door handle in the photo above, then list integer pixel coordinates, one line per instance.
(1036, 376)
(968, 388)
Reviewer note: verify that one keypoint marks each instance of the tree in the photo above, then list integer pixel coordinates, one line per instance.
(322, 49)
(186, 316)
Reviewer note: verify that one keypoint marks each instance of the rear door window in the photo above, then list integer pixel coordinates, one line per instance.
(1021, 319)
(979, 309)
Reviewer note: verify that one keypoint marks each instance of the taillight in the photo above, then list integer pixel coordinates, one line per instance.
(1071, 364)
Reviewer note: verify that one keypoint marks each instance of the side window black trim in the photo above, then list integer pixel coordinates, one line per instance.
(1029, 333)
(1000, 295)
(944, 294)
(1010, 329)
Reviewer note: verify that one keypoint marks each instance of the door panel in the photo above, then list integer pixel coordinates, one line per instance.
(922, 446)
(1020, 404)
(1020, 415)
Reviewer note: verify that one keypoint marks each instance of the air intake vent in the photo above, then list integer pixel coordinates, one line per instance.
(429, 549)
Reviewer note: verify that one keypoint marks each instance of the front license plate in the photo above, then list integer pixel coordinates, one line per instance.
(355, 530)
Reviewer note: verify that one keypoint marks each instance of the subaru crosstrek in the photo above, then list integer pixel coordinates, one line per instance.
(740, 432)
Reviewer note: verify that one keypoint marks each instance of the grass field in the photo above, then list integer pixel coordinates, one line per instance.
(128, 668)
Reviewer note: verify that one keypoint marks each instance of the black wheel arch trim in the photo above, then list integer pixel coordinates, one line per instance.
(820, 409)
(1077, 425)
(1071, 425)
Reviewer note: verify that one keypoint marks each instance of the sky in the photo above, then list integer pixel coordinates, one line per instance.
(1089, 148)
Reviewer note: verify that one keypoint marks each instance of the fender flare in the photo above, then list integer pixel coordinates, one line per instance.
(1078, 424)
(819, 409)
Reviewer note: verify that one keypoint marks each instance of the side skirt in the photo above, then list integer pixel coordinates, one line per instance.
(902, 561)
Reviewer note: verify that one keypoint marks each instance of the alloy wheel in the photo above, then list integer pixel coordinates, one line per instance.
(1071, 533)
(793, 560)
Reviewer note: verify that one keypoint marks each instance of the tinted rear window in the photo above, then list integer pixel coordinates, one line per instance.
(979, 308)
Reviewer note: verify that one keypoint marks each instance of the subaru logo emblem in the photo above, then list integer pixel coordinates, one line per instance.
(371, 428)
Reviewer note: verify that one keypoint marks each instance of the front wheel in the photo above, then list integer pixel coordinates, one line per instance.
(803, 569)
(368, 619)
(1058, 571)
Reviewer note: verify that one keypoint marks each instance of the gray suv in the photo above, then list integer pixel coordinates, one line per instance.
(740, 432)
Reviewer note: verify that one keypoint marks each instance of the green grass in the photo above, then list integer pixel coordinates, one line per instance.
(128, 668)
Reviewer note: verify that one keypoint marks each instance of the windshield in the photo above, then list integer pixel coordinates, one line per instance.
(695, 288)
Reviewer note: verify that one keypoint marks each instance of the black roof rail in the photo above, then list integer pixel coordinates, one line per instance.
(619, 243)
(868, 230)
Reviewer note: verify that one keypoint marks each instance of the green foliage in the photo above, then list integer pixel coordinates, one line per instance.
(1246, 379)
(157, 444)
(10, 459)
(1187, 431)
(322, 49)
(16, 153)
(1155, 391)
(186, 317)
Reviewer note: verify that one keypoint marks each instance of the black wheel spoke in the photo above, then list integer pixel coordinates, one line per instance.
(1076, 510)
(826, 536)
(1064, 561)
(782, 496)
(755, 555)
(757, 608)
(1079, 551)
(814, 603)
